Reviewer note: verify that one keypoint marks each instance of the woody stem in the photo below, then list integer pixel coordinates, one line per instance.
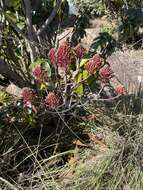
(65, 91)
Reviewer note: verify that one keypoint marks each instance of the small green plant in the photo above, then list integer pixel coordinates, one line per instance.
(4, 99)
(93, 7)
(104, 44)
(131, 21)
(109, 28)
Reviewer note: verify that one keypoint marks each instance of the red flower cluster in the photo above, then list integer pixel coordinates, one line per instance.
(52, 56)
(27, 95)
(90, 67)
(63, 56)
(120, 90)
(80, 51)
(94, 63)
(98, 60)
(39, 73)
(106, 73)
(52, 100)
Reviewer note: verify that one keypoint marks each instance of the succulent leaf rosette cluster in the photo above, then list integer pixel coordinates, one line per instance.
(65, 75)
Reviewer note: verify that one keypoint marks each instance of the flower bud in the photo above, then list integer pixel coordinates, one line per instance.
(27, 95)
(52, 100)
(52, 56)
(120, 90)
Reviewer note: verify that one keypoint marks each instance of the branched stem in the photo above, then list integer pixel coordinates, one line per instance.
(31, 33)
(49, 20)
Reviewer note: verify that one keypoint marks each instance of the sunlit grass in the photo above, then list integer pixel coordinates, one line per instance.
(110, 160)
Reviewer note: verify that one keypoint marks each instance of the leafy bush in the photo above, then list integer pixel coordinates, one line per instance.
(108, 28)
(68, 79)
(104, 44)
(131, 21)
(82, 22)
(93, 7)
(64, 80)
(4, 99)
(116, 7)
(102, 7)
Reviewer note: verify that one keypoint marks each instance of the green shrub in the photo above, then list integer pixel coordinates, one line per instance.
(93, 7)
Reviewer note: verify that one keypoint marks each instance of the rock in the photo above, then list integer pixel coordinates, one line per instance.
(14, 90)
(1, 87)
(127, 70)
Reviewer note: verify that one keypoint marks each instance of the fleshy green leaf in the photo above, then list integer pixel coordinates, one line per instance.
(80, 89)
(83, 61)
(43, 63)
(36, 63)
(85, 74)
(43, 85)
